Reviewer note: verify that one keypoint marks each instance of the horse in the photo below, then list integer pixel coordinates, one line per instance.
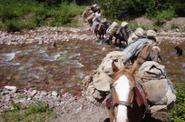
(128, 101)
(100, 30)
(121, 36)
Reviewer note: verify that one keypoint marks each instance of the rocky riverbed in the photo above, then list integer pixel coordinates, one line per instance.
(48, 64)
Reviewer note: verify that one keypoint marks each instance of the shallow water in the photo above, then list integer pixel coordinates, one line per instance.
(175, 65)
(49, 67)
(63, 66)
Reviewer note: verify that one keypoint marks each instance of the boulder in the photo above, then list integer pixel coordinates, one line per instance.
(12, 89)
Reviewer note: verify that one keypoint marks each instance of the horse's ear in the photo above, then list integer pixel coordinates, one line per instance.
(114, 67)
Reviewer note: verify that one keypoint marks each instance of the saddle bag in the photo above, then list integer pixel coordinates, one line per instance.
(158, 88)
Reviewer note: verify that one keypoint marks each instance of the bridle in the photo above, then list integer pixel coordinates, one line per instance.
(117, 102)
(114, 102)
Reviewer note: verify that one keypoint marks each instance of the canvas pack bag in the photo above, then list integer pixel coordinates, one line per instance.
(112, 28)
(158, 88)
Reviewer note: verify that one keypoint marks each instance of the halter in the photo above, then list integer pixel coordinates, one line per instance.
(137, 89)
(128, 103)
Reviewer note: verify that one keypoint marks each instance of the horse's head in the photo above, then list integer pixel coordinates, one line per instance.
(123, 94)
(124, 90)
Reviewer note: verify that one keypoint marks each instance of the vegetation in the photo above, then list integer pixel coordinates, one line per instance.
(18, 14)
(133, 26)
(177, 114)
(36, 112)
(118, 9)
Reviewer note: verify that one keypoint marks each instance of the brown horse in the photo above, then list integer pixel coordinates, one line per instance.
(128, 100)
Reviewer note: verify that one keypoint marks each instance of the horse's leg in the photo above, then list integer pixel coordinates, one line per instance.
(109, 40)
(120, 44)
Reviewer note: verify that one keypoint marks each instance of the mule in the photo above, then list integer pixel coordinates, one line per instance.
(121, 38)
(129, 102)
(100, 30)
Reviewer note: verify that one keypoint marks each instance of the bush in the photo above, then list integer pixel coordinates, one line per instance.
(118, 9)
(165, 14)
(19, 14)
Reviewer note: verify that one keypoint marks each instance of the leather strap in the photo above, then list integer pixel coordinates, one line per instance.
(124, 103)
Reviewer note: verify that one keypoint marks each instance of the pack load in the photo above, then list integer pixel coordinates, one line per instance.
(113, 28)
(90, 17)
(159, 89)
(139, 32)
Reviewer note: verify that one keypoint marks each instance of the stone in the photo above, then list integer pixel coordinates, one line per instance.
(7, 56)
(54, 93)
(13, 89)
(29, 98)
(33, 93)
(43, 93)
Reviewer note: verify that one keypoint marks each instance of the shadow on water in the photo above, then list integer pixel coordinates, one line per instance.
(47, 67)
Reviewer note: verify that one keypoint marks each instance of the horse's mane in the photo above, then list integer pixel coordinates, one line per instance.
(141, 58)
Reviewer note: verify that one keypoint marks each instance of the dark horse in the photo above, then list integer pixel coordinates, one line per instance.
(100, 30)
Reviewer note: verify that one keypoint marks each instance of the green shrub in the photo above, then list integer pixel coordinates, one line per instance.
(165, 14)
(38, 107)
(20, 14)
(118, 9)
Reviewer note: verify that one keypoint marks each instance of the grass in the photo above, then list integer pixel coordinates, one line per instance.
(177, 114)
(35, 112)
(16, 15)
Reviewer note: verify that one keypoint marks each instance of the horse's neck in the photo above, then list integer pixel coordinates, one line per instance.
(142, 57)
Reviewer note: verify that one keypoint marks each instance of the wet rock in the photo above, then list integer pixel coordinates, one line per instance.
(12, 89)
(7, 56)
